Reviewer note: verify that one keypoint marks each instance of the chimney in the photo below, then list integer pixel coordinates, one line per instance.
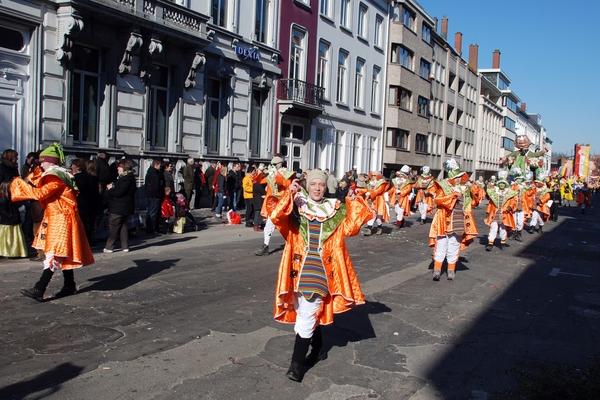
(496, 59)
(435, 24)
(523, 107)
(458, 43)
(445, 27)
(473, 56)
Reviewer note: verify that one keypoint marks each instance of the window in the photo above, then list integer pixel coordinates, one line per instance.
(451, 79)
(215, 113)
(85, 90)
(219, 12)
(511, 104)
(339, 150)
(359, 83)
(11, 39)
(397, 138)
(375, 90)
(502, 84)
(342, 77)
(426, 34)
(400, 97)
(355, 148)
(319, 154)
(377, 40)
(461, 85)
(326, 8)
(459, 117)
(448, 145)
(256, 121)
(159, 112)
(449, 112)
(402, 56)
(508, 144)
(323, 67)
(261, 20)
(425, 69)
(423, 106)
(345, 13)
(297, 54)
(362, 28)
(509, 124)
(408, 18)
(396, 12)
(421, 143)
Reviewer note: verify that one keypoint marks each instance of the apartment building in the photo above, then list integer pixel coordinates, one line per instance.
(453, 105)
(147, 79)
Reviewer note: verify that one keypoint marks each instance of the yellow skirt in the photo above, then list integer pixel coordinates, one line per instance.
(12, 241)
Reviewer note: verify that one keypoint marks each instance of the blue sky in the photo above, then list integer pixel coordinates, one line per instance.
(549, 49)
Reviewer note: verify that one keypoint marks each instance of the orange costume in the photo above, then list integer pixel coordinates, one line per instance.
(539, 205)
(344, 290)
(374, 196)
(501, 209)
(61, 233)
(425, 186)
(400, 194)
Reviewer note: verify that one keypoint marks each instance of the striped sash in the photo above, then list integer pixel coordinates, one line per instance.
(313, 280)
(458, 216)
(498, 214)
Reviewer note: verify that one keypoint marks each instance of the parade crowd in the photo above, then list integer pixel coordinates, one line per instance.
(67, 208)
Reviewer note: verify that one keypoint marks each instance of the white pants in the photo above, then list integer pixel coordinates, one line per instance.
(447, 247)
(306, 314)
(374, 219)
(268, 231)
(536, 218)
(495, 227)
(423, 210)
(53, 263)
(519, 220)
(399, 212)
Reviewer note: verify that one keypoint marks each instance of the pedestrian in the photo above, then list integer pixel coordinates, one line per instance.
(247, 185)
(188, 180)
(9, 165)
(501, 208)
(167, 168)
(556, 199)
(121, 205)
(12, 240)
(155, 189)
(209, 176)
(315, 249)
(259, 192)
(332, 184)
(103, 169)
(453, 227)
(201, 188)
(61, 232)
(233, 186)
(220, 190)
(88, 197)
(27, 219)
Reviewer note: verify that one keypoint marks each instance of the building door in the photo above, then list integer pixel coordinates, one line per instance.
(10, 124)
(293, 146)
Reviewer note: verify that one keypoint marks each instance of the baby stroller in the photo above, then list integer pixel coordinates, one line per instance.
(185, 219)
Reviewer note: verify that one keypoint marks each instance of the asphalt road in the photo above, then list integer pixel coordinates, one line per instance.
(190, 317)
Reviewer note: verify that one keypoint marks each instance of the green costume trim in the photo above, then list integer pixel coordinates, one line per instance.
(327, 227)
(493, 195)
(448, 190)
(63, 176)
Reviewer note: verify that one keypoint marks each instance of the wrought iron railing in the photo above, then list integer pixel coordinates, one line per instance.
(301, 92)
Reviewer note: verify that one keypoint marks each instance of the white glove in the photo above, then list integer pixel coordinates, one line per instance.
(368, 194)
(386, 197)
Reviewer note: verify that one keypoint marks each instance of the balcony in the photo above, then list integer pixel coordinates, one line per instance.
(300, 94)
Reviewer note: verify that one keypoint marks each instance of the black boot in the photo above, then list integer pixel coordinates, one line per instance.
(518, 237)
(69, 287)
(297, 367)
(317, 352)
(37, 291)
(264, 251)
(540, 229)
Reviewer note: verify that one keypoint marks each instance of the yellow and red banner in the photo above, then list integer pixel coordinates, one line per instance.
(582, 160)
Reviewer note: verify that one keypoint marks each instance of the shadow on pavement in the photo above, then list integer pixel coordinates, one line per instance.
(60, 373)
(549, 316)
(353, 326)
(123, 279)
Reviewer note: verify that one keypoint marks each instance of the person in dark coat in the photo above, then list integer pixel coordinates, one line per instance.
(259, 192)
(209, 175)
(88, 197)
(121, 204)
(9, 167)
(234, 184)
(556, 200)
(154, 186)
(28, 220)
(103, 169)
(169, 178)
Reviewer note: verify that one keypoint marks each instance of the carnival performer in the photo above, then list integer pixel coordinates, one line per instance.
(566, 192)
(524, 202)
(500, 219)
(276, 176)
(539, 210)
(400, 194)
(374, 195)
(316, 278)
(524, 159)
(425, 186)
(583, 197)
(453, 227)
(61, 234)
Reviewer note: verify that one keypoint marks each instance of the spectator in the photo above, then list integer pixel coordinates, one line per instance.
(27, 167)
(155, 190)
(240, 202)
(167, 212)
(259, 192)
(233, 186)
(169, 178)
(103, 170)
(247, 186)
(188, 180)
(220, 189)
(121, 205)
(332, 184)
(12, 240)
(556, 200)
(209, 176)
(88, 197)
(9, 167)
(28, 220)
(203, 199)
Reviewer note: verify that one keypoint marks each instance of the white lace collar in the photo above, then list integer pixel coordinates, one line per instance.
(316, 211)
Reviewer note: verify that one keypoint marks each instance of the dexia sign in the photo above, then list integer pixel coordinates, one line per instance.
(252, 53)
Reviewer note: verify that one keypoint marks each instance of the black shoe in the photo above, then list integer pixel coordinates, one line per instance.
(540, 230)
(66, 291)
(503, 245)
(264, 251)
(518, 237)
(316, 355)
(33, 293)
(489, 247)
(249, 224)
(294, 372)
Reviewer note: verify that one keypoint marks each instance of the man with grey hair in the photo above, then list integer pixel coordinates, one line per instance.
(332, 184)
(188, 180)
